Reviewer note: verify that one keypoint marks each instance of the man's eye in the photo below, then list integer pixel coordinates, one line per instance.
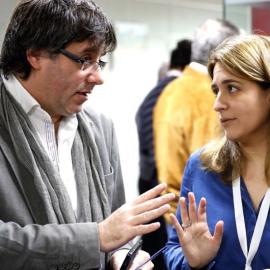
(102, 63)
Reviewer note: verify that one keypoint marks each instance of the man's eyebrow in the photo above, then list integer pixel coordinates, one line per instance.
(93, 50)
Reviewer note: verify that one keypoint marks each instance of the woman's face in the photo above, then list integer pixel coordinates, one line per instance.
(242, 107)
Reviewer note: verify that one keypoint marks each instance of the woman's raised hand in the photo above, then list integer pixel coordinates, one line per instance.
(198, 245)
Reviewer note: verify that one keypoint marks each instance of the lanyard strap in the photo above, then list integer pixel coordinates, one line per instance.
(150, 259)
(240, 223)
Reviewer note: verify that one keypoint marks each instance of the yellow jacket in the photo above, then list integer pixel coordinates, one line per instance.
(184, 120)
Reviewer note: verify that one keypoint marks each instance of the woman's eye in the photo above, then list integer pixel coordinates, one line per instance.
(215, 91)
(232, 88)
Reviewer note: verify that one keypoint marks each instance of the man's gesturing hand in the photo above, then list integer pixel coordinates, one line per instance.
(129, 220)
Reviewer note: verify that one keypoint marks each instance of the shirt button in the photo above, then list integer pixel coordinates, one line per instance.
(53, 267)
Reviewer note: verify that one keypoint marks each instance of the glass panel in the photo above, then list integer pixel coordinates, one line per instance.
(249, 16)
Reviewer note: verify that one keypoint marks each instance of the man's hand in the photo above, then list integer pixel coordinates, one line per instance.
(129, 220)
(142, 256)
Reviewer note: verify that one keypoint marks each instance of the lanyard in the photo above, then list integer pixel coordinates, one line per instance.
(240, 223)
(150, 259)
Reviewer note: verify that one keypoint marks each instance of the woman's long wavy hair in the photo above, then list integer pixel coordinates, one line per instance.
(247, 57)
(52, 25)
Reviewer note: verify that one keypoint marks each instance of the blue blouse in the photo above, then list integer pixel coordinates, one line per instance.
(219, 200)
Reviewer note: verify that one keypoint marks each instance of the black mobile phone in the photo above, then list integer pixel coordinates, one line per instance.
(131, 255)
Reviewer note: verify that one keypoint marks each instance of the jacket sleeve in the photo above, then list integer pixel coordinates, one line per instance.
(49, 246)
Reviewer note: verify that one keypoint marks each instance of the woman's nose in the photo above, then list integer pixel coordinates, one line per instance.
(220, 103)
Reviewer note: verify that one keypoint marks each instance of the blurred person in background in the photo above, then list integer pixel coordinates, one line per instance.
(183, 115)
(162, 71)
(180, 57)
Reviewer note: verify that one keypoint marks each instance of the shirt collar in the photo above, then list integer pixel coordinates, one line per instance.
(173, 72)
(20, 94)
(198, 67)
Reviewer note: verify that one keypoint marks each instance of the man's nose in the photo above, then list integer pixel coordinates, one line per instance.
(96, 77)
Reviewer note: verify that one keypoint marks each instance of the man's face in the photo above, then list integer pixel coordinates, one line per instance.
(60, 85)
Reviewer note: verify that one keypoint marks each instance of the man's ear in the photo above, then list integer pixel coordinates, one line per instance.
(34, 57)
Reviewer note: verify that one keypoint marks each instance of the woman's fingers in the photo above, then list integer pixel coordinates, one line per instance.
(176, 225)
(218, 233)
(191, 215)
(188, 214)
(202, 211)
(184, 211)
(192, 207)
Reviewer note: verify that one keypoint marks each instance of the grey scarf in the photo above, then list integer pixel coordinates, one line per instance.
(47, 185)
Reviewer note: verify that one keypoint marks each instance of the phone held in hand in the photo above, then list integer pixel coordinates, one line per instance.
(131, 255)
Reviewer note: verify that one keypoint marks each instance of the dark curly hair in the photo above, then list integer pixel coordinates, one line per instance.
(180, 56)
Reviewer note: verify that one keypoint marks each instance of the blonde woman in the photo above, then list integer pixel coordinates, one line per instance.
(227, 225)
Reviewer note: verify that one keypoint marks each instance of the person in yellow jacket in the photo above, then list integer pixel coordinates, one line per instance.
(184, 119)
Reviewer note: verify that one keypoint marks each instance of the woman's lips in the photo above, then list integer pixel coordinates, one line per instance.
(226, 121)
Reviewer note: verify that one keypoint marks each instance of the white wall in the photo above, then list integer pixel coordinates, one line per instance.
(153, 26)
(6, 9)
